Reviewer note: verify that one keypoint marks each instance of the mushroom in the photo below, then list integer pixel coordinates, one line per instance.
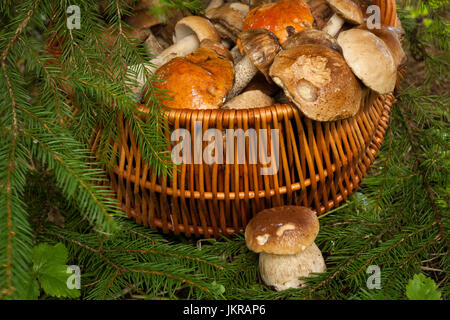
(318, 81)
(200, 80)
(217, 47)
(259, 82)
(249, 100)
(189, 32)
(260, 47)
(279, 17)
(391, 37)
(284, 237)
(320, 11)
(369, 58)
(311, 36)
(345, 10)
(227, 20)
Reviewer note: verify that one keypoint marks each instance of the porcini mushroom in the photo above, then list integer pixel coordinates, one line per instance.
(201, 80)
(279, 17)
(318, 81)
(391, 37)
(320, 11)
(345, 10)
(260, 47)
(249, 100)
(217, 47)
(284, 237)
(311, 36)
(369, 58)
(227, 20)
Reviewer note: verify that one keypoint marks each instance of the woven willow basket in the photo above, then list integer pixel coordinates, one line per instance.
(320, 165)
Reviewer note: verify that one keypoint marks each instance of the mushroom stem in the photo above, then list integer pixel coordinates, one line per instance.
(334, 25)
(244, 72)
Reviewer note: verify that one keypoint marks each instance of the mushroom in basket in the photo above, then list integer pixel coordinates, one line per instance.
(318, 81)
(201, 80)
(284, 237)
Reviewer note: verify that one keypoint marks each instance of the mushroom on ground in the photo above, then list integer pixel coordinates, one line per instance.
(279, 17)
(311, 36)
(318, 81)
(284, 237)
(201, 80)
(260, 47)
(369, 58)
(249, 100)
(345, 10)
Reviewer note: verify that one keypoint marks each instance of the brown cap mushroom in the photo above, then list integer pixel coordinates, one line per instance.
(279, 17)
(390, 36)
(260, 47)
(311, 36)
(249, 100)
(217, 47)
(345, 10)
(369, 58)
(320, 11)
(199, 81)
(318, 81)
(284, 237)
(282, 230)
(227, 20)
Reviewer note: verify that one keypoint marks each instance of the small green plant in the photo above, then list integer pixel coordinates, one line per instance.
(50, 273)
(422, 288)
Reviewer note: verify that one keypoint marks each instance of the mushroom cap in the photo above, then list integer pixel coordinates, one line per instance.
(283, 271)
(320, 11)
(201, 80)
(369, 58)
(277, 16)
(318, 81)
(217, 47)
(282, 230)
(348, 10)
(261, 46)
(228, 17)
(249, 100)
(390, 36)
(199, 26)
(311, 36)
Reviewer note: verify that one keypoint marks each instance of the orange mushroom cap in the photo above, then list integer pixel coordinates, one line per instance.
(201, 80)
(277, 16)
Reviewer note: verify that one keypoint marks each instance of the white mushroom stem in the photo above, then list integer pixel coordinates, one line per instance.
(283, 271)
(182, 48)
(244, 71)
(334, 25)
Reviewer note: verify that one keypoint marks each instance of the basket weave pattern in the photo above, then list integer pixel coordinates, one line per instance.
(320, 165)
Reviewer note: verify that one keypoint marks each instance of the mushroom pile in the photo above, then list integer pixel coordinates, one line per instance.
(319, 55)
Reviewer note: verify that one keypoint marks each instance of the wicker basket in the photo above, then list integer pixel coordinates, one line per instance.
(321, 164)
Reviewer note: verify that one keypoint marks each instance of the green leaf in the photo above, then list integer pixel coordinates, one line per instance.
(422, 288)
(51, 270)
